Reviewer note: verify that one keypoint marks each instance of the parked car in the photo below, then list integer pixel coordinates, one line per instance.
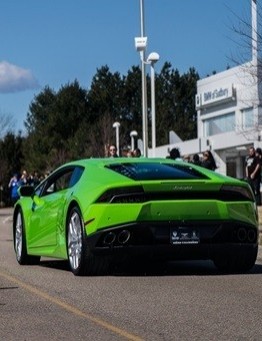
(96, 212)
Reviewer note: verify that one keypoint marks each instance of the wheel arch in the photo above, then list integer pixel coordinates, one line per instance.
(72, 204)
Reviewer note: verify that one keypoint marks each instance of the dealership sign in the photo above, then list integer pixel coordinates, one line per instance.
(221, 94)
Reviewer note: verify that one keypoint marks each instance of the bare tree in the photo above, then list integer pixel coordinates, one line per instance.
(248, 32)
(102, 136)
(6, 124)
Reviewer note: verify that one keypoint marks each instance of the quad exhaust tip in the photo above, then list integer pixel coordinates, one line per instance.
(122, 237)
(251, 236)
(244, 235)
(109, 238)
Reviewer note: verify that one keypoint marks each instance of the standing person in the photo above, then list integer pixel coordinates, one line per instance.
(14, 185)
(36, 179)
(137, 152)
(112, 151)
(259, 156)
(23, 180)
(174, 154)
(253, 169)
(196, 160)
(209, 161)
(129, 153)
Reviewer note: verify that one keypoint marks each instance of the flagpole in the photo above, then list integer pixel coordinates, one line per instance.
(254, 66)
(254, 31)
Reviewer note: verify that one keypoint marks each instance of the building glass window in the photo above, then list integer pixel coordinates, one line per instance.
(247, 118)
(220, 124)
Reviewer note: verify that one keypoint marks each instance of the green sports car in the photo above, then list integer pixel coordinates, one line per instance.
(96, 212)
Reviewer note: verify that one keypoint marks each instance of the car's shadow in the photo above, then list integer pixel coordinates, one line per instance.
(180, 268)
(55, 264)
(177, 268)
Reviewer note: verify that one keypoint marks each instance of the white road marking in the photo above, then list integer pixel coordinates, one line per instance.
(8, 219)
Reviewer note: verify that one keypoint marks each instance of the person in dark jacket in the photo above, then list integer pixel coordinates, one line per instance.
(209, 161)
(253, 173)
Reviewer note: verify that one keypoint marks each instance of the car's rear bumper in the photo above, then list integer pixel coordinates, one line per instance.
(153, 240)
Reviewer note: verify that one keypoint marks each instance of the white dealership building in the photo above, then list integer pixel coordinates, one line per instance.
(229, 116)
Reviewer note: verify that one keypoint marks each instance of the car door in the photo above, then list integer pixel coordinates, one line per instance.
(48, 209)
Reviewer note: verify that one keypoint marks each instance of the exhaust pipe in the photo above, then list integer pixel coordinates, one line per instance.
(251, 236)
(109, 238)
(123, 237)
(241, 234)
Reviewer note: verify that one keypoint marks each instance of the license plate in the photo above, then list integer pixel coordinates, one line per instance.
(184, 235)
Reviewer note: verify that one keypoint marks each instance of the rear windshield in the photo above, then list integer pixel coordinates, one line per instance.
(156, 171)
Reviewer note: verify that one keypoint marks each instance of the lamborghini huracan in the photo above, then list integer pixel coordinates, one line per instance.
(96, 212)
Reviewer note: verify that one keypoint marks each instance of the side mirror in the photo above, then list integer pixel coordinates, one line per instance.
(26, 191)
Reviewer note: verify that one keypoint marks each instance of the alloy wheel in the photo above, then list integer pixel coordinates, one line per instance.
(75, 240)
(18, 236)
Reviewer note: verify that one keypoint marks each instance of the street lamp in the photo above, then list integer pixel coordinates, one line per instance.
(152, 59)
(133, 135)
(116, 125)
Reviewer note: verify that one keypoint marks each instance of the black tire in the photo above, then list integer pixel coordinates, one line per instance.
(239, 261)
(81, 260)
(20, 247)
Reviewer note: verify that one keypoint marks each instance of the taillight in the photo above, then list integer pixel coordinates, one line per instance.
(238, 192)
(132, 194)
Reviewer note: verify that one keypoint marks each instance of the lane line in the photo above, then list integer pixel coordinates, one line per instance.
(7, 219)
(72, 309)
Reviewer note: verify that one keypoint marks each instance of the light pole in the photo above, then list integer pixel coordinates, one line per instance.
(152, 59)
(133, 135)
(140, 43)
(116, 125)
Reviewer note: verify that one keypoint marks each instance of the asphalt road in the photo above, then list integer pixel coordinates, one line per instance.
(189, 301)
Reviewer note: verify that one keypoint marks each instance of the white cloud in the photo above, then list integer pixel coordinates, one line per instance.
(13, 78)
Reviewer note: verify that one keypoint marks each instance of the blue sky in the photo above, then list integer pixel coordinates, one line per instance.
(54, 42)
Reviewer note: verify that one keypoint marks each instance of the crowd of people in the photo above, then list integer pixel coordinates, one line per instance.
(34, 179)
(113, 152)
(253, 166)
(207, 161)
(25, 179)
